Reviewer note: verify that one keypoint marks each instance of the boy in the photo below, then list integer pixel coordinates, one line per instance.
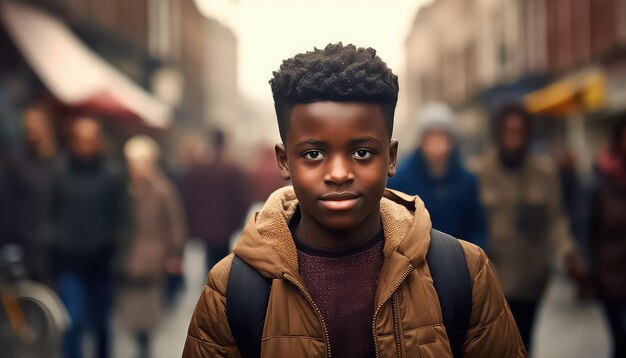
(347, 267)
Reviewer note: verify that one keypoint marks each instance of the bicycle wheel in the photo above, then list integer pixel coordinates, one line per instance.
(45, 331)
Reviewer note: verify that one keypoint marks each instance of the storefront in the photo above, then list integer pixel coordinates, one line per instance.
(78, 80)
(577, 100)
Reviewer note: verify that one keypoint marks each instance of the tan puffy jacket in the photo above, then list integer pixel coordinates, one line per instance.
(407, 320)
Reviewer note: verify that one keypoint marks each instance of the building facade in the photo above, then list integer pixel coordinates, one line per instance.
(478, 54)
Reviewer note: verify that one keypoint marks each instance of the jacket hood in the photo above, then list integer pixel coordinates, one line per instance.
(267, 245)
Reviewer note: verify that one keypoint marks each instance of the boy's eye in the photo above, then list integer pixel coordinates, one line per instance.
(362, 154)
(314, 155)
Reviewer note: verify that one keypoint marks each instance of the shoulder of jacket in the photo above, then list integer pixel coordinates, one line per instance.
(484, 164)
(467, 176)
(218, 276)
(474, 164)
(543, 163)
(475, 257)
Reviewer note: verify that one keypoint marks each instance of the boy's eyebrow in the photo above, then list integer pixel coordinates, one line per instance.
(313, 142)
(365, 139)
(355, 141)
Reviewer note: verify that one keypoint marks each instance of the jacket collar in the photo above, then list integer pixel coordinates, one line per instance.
(266, 243)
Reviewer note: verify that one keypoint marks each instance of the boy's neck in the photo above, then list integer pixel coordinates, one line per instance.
(315, 235)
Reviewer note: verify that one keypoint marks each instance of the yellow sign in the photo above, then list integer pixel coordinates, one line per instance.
(577, 93)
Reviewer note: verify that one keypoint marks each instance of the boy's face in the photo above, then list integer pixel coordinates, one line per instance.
(338, 156)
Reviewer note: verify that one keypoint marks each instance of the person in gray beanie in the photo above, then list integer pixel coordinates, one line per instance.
(434, 171)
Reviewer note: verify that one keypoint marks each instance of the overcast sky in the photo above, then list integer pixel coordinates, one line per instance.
(272, 30)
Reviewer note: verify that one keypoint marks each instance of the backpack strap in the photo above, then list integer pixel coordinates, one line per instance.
(247, 295)
(451, 278)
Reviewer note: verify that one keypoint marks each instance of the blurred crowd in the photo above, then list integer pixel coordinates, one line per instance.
(107, 232)
(528, 212)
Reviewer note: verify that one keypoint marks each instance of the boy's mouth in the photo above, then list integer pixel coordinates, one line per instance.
(339, 201)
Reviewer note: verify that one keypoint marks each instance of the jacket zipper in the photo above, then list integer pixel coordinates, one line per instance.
(317, 310)
(404, 275)
(396, 324)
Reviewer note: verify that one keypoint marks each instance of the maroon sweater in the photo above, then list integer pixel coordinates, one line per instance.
(343, 286)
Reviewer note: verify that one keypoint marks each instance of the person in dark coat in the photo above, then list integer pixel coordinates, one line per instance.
(216, 200)
(434, 171)
(607, 235)
(87, 217)
(31, 171)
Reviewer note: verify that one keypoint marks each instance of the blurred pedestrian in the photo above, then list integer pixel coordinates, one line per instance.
(156, 240)
(607, 235)
(527, 225)
(31, 172)
(87, 214)
(216, 200)
(434, 171)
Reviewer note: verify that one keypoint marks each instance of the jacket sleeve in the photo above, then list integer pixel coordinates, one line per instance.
(492, 331)
(209, 334)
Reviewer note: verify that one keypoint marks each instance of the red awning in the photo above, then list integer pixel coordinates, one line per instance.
(74, 73)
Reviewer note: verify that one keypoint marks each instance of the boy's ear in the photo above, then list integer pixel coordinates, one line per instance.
(281, 160)
(393, 158)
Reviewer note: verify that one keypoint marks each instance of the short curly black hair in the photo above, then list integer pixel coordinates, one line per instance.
(336, 73)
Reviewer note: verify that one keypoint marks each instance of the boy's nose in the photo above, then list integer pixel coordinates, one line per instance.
(339, 171)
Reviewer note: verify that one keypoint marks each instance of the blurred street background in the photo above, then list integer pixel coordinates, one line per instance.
(125, 124)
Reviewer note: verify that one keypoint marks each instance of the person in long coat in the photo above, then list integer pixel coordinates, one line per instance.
(607, 235)
(155, 247)
(521, 193)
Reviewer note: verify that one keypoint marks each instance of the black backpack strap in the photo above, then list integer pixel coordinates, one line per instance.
(451, 278)
(247, 295)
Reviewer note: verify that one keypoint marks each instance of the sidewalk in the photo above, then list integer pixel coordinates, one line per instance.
(569, 328)
(168, 340)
